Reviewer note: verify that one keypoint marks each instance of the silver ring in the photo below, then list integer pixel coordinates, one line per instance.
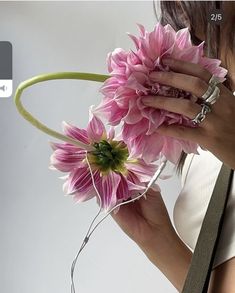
(214, 96)
(208, 92)
(214, 80)
(202, 114)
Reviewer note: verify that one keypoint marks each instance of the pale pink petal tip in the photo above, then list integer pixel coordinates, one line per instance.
(52, 145)
(64, 125)
(51, 167)
(95, 128)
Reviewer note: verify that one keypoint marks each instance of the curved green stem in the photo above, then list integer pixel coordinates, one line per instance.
(51, 76)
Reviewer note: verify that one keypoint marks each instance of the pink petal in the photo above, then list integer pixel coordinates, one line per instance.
(135, 189)
(183, 38)
(172, 149)
(122, 97)
(136, 146)
(65, 161)
(111, 112)
(134, 84)
(156, 118)
(108, 61)
(88, 191)
(109, 86)
(111, 133)
(135, 40)
(75, 132)
(107, 188)
(153, 147)
(168, 40)
(132, 177)
(79, 180)
(119, 56)
(123, 190)
(212, 65)
(133, 115)
(95, 129)
(131, 131)
(142, 29)
(142, 170)
(158, 37)
(64, 146)
(84, 195)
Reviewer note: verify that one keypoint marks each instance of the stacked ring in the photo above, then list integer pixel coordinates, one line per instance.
(214, 80)
(210, 97)
(202, 115)
(214, 96)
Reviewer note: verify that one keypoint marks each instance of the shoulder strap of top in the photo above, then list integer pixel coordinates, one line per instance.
(197, 280)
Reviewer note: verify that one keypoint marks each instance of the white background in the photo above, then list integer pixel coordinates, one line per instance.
(41, 229)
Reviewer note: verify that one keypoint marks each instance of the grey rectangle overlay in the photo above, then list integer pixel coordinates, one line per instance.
(5, 60)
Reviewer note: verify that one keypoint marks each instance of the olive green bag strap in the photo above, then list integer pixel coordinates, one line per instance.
(198, 277)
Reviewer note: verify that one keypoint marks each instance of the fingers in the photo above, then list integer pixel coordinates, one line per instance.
(176, 105)
(182, 132)
(189, 108)
(190, 77)
(188, 68)
(180, 106)
(214, 132)
(188, 83)
(185, 75)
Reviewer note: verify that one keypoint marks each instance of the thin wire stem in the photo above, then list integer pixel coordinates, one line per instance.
(85, 240)
(87, 237)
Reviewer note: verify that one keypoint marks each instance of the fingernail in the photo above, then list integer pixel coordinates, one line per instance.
(155, 74)
(148, 100)
(167, 61)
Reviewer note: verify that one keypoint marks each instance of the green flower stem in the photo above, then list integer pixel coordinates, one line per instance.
(52, 76)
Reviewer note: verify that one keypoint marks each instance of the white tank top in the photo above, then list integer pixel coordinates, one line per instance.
(198, 179)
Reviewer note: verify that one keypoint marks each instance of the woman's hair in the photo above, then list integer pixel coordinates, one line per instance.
(181, 14)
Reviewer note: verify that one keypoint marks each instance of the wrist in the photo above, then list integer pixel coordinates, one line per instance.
(159, 235)
(172, 257)
(162, 236)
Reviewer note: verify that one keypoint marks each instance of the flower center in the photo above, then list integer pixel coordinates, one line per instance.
(109, 156)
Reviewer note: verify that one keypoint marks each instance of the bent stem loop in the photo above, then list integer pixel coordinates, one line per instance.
(53, 76)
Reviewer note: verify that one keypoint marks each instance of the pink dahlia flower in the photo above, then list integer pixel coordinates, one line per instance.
(117, 175)
(130, 82)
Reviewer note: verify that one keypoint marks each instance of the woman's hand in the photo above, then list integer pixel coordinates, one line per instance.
(217, 132)
(143, 219)
(147, 222)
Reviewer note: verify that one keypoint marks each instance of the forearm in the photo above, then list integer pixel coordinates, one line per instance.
(171, 256)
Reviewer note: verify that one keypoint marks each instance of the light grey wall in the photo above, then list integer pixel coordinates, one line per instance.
(41, 229)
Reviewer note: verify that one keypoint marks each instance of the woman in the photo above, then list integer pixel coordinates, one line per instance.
(147, 222)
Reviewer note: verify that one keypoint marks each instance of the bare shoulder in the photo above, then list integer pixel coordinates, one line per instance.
(223, 278)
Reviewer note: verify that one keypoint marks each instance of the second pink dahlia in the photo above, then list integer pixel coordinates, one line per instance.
(118, 176)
